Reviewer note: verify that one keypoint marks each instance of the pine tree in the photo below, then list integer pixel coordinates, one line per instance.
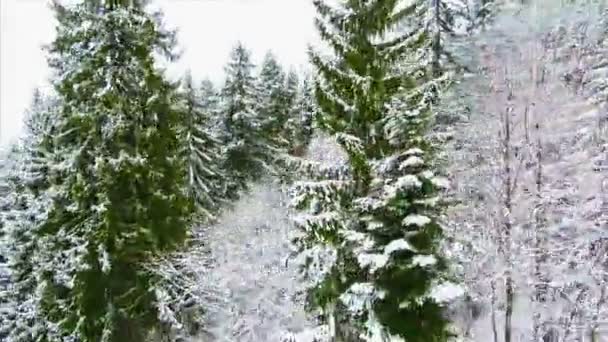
(203, 152)
(26, 209)
(292, 127)
(272, 96)
(308, 111)
(381, 215)
(210, 104)
(118, 182)
(248, 151)
(5, 192)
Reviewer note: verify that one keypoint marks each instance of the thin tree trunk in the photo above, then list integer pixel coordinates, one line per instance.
(574, 313)
(595, 320)
(526, 125)
(493, 308)
(540, 287)
(436, 40)
(507, 225)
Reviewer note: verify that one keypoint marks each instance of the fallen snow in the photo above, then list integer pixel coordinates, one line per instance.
(424, 260)
(446, 292)
(416, 220)
(397, 245)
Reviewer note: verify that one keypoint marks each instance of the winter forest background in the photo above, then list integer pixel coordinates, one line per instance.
(438, 173)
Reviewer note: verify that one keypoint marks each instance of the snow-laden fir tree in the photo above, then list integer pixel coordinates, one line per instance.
(26, 208)
(203, 151)
(271, 96)
(5, 191)
(381, 215)
(248, 150)
(210, 104)
(292, 127)
(305, 113)
(118, 181)
(440, 20)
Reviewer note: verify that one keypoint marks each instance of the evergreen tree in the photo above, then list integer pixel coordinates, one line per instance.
(118, 182)
(5, 192)
(210, 99)
(248, 150)
(292, 83)
(439, 19)
(210, 103)
(293, 125)
(308, 111)
(380, 216)
(202, 151)
(272, 96)
(25, 210)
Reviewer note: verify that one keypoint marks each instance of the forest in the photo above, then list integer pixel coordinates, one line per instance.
(439, 174)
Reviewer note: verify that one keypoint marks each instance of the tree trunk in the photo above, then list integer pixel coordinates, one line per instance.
(493, 308)
(540, 254)
(507, 225)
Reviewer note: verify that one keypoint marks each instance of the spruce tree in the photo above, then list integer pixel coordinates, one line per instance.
(272, 97)
(26, 208)
(210, 104)
(292, 127)
(118, 179)
(248, 149)
(5, 192)
(202, 151)
(380, 215)
(307, 108)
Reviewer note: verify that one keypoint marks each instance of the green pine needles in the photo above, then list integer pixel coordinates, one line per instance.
(118, 187)
(381, 216)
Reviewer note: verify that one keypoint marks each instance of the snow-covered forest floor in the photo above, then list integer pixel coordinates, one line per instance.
(246, 269)
(249, 249)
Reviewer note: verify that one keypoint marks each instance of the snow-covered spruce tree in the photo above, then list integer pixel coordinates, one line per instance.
(5, 191)
(203, 152)
(210, 104)
(27, 204)
(118, 189)
(306, 107)
(440, 20)
(272, 96)
(292, 128)
(382, 215)
(248, 150)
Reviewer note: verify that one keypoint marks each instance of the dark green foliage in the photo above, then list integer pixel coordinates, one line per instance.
(273, 107)
(202, 150)
(249, 150)
(375, 97)
(118, 179)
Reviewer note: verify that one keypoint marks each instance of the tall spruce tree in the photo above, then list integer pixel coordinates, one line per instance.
(210, 99)
(381, 216)
(307, 108)
(271, 96)
(248, 149)
(118, 182)
(26, 208)
(210, 103)
(292, 127)
(202, 151)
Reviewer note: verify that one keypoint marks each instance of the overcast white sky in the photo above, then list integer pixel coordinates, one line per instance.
(207, 31)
